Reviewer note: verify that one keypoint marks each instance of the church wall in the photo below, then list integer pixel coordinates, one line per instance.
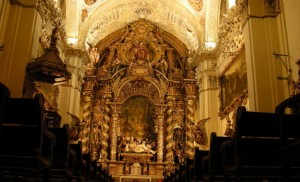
(261, 34)
(18, 41)
(291, 33)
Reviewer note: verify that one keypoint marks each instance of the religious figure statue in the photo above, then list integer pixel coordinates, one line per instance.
(134, 145)
(94, 57)
(162, 65)
(75, 127)
(141, 52)
(198, 131)
(116, 65)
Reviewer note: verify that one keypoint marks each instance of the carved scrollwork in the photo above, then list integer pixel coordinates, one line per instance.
(231, 35)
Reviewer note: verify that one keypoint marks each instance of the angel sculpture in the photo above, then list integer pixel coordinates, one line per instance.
(75, 127)
(199, 131)
(93, 55)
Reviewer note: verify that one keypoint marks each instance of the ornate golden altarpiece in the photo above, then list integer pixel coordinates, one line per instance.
(139, 61)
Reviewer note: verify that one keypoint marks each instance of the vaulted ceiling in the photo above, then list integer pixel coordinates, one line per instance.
(193, 22)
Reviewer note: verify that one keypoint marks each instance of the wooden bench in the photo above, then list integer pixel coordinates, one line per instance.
(88, 173)
(26, 147)
(253, 151)
(79, 169)
(4, 95)
(197, 167)
(289, 149)
(213, 162)
(64, 157)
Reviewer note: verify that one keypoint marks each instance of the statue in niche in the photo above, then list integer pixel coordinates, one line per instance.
(178, 135)
(94, 57)
(116, 64)
(135, 145)
(162, 65)
(141, 52)
(135, 169)
(145, 169)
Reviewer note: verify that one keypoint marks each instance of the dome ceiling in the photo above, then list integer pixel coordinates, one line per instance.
(90, 21)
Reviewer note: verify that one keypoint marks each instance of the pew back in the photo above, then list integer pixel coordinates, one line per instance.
(213, 163)
(23, 137)
(256, 143)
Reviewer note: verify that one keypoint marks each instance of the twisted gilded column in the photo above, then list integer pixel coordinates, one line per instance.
(114, 123)
(96, 129)
(105, 126)
(86, 120)
(178, 131)
(190, 111)
(171, 101)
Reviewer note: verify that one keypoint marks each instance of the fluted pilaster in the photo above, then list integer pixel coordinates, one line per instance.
(114, 123)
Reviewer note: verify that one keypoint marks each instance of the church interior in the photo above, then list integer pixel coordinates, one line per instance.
(149, 91)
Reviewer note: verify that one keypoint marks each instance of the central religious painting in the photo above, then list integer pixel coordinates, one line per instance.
(138, 112)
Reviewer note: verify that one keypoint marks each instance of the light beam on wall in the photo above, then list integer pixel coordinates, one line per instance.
(210, 45)
(72, 40)
(231, 3)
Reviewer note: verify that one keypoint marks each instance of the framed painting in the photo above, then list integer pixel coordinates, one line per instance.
(138, 112)
(233, 84)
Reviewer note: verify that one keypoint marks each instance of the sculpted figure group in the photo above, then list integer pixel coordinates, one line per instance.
(132, 144)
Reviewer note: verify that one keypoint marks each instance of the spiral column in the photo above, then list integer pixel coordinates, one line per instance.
(171, 102)
(95, 129)
(105, 126)
(86, 120)
(190, 112)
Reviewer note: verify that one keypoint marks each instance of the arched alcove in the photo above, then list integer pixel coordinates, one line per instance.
(138, 119)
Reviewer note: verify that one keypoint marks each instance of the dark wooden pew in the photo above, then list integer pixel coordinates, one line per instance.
(88, 168)
(64, 157)
(26, 147)
(253, 151)
(4, 95)
(213, 162)
(197, 170)
(289, 150)
(79, 162)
